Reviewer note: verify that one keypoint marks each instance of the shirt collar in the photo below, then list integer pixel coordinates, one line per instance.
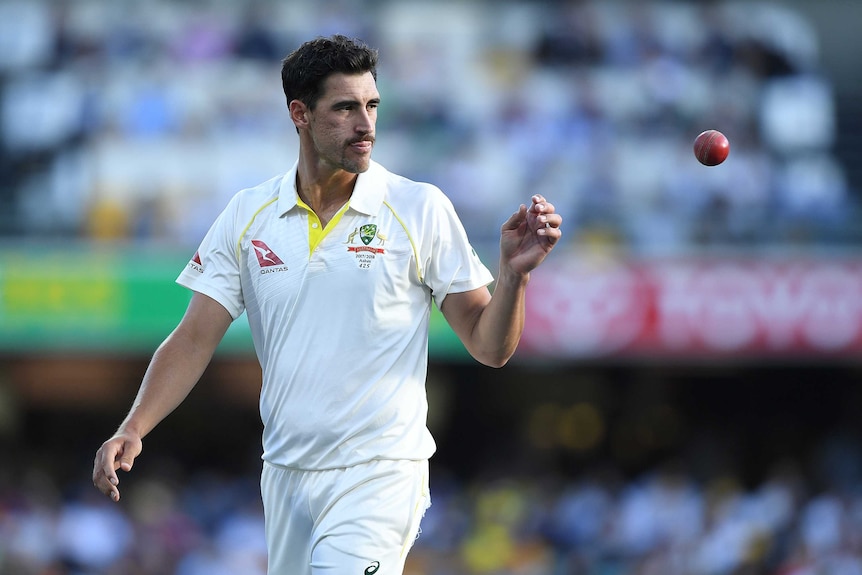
(367, 196)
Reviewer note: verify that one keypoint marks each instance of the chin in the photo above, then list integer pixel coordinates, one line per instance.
(357, 167)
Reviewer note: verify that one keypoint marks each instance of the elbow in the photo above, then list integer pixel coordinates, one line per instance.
(495, 360)
(495, 355)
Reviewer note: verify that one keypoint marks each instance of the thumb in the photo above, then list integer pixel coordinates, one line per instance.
(131, 449)
(516, 219)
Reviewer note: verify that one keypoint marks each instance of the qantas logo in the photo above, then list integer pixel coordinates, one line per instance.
(265, 256)
(196, 264)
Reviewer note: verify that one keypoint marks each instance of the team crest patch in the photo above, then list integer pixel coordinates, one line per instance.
(367, 233)
(366, 253)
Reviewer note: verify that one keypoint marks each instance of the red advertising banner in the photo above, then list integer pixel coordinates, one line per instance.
(695, 307)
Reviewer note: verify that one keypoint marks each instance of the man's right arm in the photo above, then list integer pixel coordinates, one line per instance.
(174, 370)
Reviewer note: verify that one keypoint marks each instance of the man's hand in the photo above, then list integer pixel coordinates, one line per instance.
(119, 452)
(528, 236)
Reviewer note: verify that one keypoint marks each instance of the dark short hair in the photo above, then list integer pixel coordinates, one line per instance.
(304, 70)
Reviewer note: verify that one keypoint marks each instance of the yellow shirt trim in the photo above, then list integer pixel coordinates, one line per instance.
(248, 225)
(317, 232)
(409, 237)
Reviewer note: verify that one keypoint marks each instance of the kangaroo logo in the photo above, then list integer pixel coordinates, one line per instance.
(265, 256)
(372, 569)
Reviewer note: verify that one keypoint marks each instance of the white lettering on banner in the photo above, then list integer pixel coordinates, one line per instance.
(834, 313)
(585, 308)
(675, 302)
(732, 307)
(778, 307)
(714, 310)
(592, 307)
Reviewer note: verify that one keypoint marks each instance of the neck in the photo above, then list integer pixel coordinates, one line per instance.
(319, 194)
(324, 191)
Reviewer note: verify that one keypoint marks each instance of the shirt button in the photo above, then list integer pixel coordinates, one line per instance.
(314, 226)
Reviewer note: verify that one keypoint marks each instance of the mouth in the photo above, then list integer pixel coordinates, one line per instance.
(363, 146)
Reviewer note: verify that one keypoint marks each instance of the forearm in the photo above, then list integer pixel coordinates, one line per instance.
(498, 328)
(175, 368)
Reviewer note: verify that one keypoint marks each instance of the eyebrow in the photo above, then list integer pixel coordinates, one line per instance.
(343, 103)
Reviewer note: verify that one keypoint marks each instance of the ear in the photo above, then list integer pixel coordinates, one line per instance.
(298, 113)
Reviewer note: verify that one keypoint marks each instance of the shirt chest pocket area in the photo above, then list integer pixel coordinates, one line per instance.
(385, 252)
(273, 274)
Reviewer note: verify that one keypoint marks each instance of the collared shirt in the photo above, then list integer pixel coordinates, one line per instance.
(339, 315)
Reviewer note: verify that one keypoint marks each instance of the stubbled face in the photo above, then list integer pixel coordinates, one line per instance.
(342, 124)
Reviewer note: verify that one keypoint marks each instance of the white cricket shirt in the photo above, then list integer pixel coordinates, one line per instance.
(339, 316)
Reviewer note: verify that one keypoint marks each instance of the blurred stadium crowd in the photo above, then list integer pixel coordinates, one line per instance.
(662, 523)
(136, 121)
(131, 120)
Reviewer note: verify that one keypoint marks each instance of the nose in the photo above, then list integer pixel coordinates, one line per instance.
(365, 122)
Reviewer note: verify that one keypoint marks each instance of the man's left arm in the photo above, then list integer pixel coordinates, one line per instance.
(490, 326)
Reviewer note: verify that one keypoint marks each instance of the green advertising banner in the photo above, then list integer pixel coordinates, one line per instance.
(112, 300)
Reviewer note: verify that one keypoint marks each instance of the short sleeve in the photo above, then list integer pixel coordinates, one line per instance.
(452, 265)
(215, 269)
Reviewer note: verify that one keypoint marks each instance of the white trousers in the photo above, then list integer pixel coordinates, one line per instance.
(354, 520)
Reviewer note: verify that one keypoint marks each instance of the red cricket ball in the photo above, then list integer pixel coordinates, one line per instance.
(711, 147)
